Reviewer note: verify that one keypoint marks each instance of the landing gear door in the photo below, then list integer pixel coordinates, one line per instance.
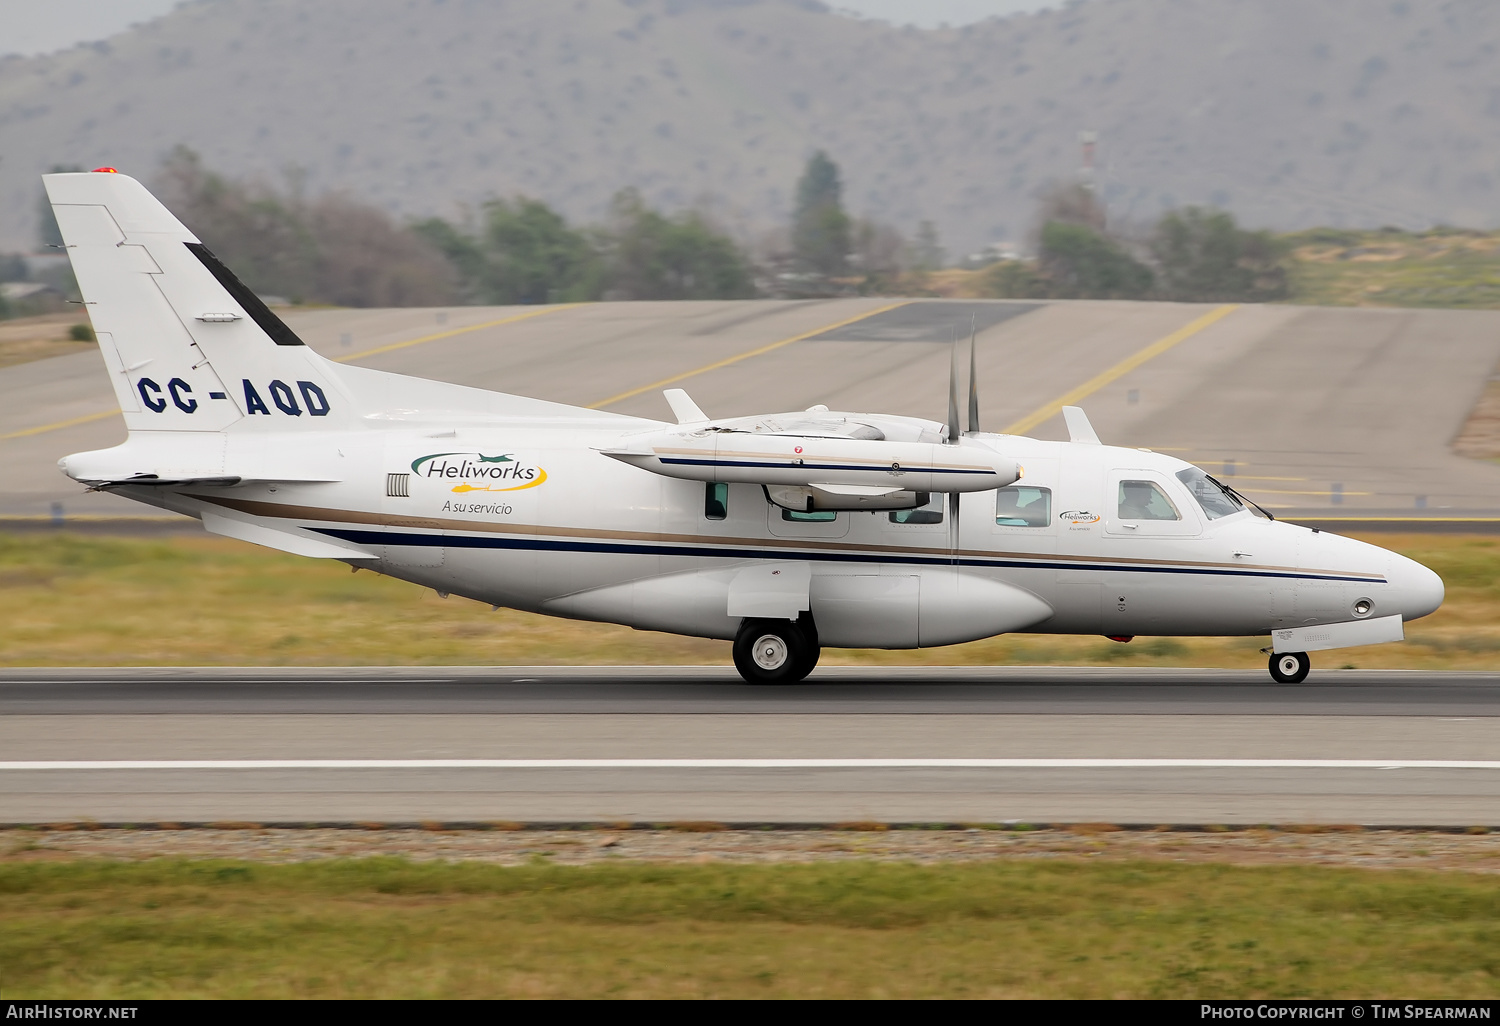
(1147, 504)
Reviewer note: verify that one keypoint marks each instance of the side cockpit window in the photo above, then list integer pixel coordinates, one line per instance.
(1216, 500)
(1143, 500)
(1023, 506)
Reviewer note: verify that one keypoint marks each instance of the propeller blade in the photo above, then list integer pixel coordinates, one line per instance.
(973, 375)
(953, 393)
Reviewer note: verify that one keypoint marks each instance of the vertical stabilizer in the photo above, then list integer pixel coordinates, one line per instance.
(189, 347)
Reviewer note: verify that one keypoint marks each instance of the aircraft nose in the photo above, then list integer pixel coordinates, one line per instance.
(1419, 591)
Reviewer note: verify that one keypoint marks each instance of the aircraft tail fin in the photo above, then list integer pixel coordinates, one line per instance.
(188, 346)
(196, 357)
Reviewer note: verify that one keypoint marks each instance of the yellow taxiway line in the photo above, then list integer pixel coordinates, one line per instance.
(43, 429)
(728, 361)
(1278, 491)
(1118, 371)
(528, 315)
(378, 350)
(1399, 520)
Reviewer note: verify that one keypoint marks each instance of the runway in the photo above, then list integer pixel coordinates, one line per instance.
(940, 744)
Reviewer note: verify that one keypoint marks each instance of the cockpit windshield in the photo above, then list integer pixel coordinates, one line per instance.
(1217, 501)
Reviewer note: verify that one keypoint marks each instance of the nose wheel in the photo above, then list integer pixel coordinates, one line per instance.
(775, 651)
(1290, 667)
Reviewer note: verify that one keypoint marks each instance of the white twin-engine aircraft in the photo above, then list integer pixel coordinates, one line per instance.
(782, 532)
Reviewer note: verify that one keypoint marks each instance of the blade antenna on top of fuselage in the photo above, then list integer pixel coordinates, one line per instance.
(973, 375)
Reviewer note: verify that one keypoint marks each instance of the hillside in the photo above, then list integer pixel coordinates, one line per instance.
(1345, 112)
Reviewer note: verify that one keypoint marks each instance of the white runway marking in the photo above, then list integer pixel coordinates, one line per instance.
(695, 764)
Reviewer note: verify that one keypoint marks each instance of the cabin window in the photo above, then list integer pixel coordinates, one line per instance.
(930, 512)
(1216, 500)
(821, 517)
(1143, 500)
(715, 501)
(1023, 506)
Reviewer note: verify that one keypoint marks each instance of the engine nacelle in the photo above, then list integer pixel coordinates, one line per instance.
(859, 470)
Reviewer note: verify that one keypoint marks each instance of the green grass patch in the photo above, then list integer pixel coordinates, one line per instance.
(388, 928)
(194, 600)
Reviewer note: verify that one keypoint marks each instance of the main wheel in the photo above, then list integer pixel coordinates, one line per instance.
(773, 652)
(1290, 667)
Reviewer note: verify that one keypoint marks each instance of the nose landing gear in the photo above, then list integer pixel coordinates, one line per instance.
(1290, 667)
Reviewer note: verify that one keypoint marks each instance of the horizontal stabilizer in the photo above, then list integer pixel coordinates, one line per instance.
(154, 480)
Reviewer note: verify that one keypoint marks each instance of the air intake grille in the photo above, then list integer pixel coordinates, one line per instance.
(398, 486)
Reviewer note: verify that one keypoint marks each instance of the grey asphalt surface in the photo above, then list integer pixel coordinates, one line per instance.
(1299, 399)
(695, 713)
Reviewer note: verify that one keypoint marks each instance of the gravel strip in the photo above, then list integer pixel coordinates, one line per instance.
(1376, 849)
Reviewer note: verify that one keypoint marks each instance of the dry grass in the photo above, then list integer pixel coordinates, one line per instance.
(1444, 267)
(72, 600)
(1065, 928)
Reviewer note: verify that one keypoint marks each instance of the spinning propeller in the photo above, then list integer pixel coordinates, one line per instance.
(953, 434)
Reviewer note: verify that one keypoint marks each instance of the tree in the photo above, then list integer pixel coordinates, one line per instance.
(650, 256)
(1203, 256)
(365, 259)
(820, 227)
(251, 229)
(1072, 203)
(524, 252)
(878, 249)
(333, 249)
(1080, 262)
(534, 256)
(927, 249)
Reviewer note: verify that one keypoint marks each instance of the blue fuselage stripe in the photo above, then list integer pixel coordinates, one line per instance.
(465, 541)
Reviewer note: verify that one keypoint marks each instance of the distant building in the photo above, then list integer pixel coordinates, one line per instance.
(995, 251)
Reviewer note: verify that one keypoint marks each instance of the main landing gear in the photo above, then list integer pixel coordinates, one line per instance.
(1290, 667)
(776, 651)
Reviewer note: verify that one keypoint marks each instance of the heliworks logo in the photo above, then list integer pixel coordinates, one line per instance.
(476, 472)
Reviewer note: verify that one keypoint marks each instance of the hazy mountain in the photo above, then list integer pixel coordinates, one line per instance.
(1290, 113)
